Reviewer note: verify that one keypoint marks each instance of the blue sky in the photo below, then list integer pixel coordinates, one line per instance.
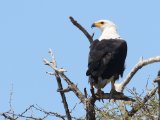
(28, 28)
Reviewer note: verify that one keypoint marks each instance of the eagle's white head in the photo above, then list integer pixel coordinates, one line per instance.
(108, 28)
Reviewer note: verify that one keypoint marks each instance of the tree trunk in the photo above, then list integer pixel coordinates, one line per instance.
(90, 110)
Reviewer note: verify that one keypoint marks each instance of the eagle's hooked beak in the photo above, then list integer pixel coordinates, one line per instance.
(93, 25)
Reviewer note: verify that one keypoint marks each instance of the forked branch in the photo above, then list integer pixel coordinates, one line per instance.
(60, 87)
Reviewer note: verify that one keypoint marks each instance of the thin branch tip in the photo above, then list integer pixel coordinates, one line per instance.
(71, 18)
(46, 62)
(82, 29)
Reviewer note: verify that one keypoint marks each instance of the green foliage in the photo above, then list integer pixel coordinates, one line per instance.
(118, 110)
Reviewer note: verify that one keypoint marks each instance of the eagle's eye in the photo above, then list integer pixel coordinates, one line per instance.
(102, 23)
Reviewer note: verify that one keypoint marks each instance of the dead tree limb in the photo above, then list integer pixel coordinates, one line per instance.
(90, 38)
(60, 87)
(116, 97)
(120, 87)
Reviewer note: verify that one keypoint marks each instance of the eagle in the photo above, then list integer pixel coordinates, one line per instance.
(106, 62)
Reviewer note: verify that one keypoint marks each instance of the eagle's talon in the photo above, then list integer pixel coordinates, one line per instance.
(99, 94)
(114, 92)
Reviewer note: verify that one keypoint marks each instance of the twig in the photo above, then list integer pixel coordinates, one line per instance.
(73, 108)
(138, 106)
(120, 87)
(23, 116)
(90, 38)
(24, 111)
(10, 99)
(49, 113)
(68, 89)
(7, 116)
(85, 93)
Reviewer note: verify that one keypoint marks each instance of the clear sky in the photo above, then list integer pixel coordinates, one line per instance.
(28, 28)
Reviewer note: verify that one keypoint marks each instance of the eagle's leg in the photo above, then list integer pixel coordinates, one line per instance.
(113, 90)
(99, 92)
(92, 90)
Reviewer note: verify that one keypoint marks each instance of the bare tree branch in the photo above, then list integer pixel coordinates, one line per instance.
(120, 87)
(90, 38)
(71, 85)
(60, 87)
(116, 97)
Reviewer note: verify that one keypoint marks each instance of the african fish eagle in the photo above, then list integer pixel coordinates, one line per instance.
(106, 57)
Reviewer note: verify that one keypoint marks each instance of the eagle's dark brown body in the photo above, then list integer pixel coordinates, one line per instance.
(106, 61)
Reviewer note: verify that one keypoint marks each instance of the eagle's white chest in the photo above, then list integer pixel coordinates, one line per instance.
(109, 33)
(103, 82)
